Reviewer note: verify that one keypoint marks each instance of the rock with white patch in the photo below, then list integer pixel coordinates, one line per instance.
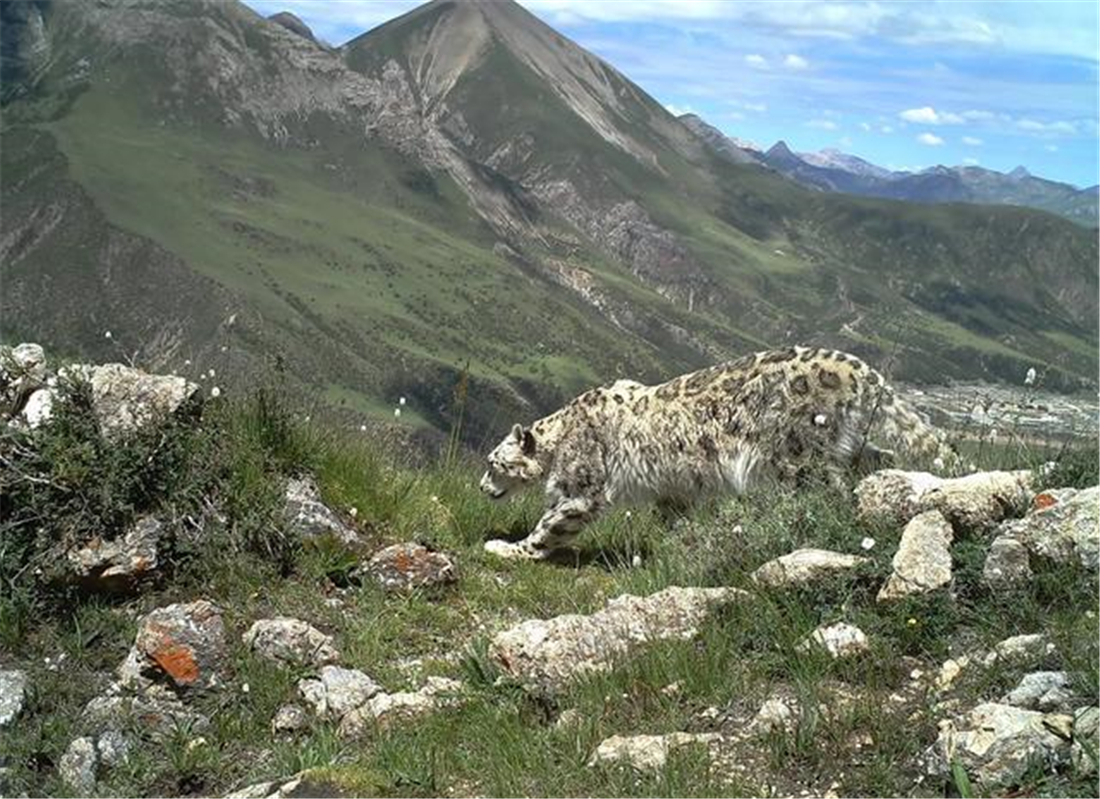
(78, 765)
(126, 399)
(840, 640)
(1086, 738)
(1007, 566)
(545, 655)
(998, 743)
(1042, 690)
(646, 752)
(805, 567)
(1066, 529)
(120, 564)
(13, 694)
(183, 643)
(310, 518)
(337, 691)
(291, 642)
(383, 709)
(923, 560)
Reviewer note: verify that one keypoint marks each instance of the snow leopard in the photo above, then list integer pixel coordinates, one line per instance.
(783, 415)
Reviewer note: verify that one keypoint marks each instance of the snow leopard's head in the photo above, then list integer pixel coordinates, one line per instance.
(512, 464)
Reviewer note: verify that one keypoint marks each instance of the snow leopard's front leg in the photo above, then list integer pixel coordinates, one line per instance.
(576, 494)
(554, 531)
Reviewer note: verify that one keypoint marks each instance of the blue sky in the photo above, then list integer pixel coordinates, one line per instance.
(906, 85)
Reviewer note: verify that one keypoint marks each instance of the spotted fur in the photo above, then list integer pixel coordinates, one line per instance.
(783, 415)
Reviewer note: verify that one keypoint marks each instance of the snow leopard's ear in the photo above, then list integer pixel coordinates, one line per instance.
(528, 443)
(517, 433)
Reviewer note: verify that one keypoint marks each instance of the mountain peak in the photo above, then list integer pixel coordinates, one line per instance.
(292, 23)
(1019, 173)
(780, 149)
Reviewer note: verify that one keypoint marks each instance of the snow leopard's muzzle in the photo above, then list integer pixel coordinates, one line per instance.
(491, 487)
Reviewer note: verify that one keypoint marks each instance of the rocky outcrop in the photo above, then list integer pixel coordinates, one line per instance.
(1042, 690)
(1006, 564)
(976, 502)
(545, 655)
(404, 567)
(291, 642)
(804, 567)
(77, 768)
(923, 559)
(1086, 738)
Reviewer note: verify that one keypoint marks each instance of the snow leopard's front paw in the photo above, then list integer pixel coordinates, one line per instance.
(519, 551)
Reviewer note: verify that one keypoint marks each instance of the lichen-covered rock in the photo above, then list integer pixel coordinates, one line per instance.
(776, 714)
(923, 560)
(1006, 565)
(1086, 737)
(383, 709)
(1020, 650)
(13, 692)
(1042, 690)
(112, 747)
(1066, 529)
(545, 655)
(289, 718)
(893, 495)
(120, 564)
(840, 640)
(126, 399)
(975, 502)
(77, 766)
(407, 566)
(337, 691)
(39, 408)
(291, 641)
(309, 517)
(997, 743)
(183, 643)
(154, 709)
(805, 566)
(646, 752)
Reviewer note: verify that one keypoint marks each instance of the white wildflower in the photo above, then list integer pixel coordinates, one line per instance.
(636, 561)
(401, 401)
(362, 428)
(353, 512)
(245, 688)
(187, 362)
(738, 529)
(307, 418)
(107, 334)
(225, 348)
(867, 543)
(938, 464)
(820, 420)
(1029, 380)
(211, 373)
(396, 413)
(215, 392)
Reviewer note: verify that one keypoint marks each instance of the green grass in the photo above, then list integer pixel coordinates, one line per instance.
(502, 741)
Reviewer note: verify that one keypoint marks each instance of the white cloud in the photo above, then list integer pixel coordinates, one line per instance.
(977, 116)
(972, 141)
(1051, 148)
(756, 61)
(886, 129)
(930, 139)
(864, 126)
(1033, 126)
(971, 161)
(822, 124)
(795, 62)
(927, 115)
(845, 141)
(735, 115)
(679, 110)
(757, 107)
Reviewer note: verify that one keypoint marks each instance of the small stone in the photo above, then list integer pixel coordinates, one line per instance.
(310, 518)
(120, 564)
(382, 709)
(404, 567)
(1021, 650)
(805, 566)
(289, 718)
(77, 766)
(646, 752)
(1042, 690)
(570, 717)
(775, 715)
(840, 640)
(113, 747)
(292, 642)
(923, 560)
(1006, 565)
(13, 692)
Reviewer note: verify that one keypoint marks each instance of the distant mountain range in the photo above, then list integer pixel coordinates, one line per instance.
(832, 170)
(462, 196)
